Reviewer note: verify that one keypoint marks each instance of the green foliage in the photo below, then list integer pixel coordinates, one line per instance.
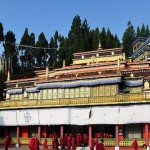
(1, 32)
(94, 39)
(128, 39)
(41, 53)
(9, 45)
(11, 52)
(143, 31)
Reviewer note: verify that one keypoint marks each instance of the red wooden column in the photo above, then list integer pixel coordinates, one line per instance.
(61, 131)
(39, 132)
(117, 137)
(146, 135)
(90, 134)
(17, 138)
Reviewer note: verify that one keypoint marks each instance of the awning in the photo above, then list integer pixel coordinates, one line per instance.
(79, 83)
(32, 90)
(15, 91)
(134, 83)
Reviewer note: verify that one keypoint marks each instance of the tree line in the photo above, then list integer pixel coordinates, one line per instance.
(29, 52)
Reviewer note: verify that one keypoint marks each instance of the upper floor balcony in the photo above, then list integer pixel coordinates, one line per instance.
(118, 99)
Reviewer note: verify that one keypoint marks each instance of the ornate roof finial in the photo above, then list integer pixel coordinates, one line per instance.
(64, 63)
(47, 71)
(8, 76)
(99, 46)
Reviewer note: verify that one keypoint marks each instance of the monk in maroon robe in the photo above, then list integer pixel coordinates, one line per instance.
(45, 144)
(6, 144)
(92, 144)
(135, 144)
(68, 143)
(99, 145)
(36, 144)
(56, 144)
(31, 145)
(73, 144)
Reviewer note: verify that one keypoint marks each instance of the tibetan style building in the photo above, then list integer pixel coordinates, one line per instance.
(99, 94)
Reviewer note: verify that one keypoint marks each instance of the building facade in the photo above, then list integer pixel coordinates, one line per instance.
(100, 93)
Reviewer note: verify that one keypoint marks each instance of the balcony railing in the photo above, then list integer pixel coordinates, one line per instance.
(84, 101)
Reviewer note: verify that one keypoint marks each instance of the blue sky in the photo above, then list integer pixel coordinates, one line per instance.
(50, 15)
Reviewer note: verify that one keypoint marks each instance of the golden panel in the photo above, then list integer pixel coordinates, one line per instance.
(67, 93)
(55, 94)
(72, 93)
(60, 93)
(81, 92)
(77, 91)
(87, 92)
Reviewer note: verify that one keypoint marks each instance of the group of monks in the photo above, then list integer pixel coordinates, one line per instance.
(34, 143)
(71, 142)
(102, 135)
(7, 142)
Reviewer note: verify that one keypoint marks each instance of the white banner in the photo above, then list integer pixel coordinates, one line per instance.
(28, 117)
(77, 116)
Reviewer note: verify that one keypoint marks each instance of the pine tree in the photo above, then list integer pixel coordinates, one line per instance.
(128, 39)
(143, 30)
(41, 53)
(138, 32)
(1, 32)
(147, 32)
(103, 38)
(11, 52)
(109, 39)
(74, 35)
(116, 42)
(61, 51)
(24, 50)
(94, 39)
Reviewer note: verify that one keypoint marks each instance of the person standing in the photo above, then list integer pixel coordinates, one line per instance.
(92, 144)
(56, 144)
(31, 145)
(73, 144)
(45, 144)
(135, 144)
(99, 145)
(6, 143)
(36, 144)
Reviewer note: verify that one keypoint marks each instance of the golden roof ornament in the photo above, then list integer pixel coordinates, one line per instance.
(64, 63)
(131, 75)
(47, 70)
(146, 85)
(8, 76)
(93, 58)
(99, 46)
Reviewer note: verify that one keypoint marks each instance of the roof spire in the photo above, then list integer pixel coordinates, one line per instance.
(99, 46)
(8, 76)
(64, 63)
(47, 70)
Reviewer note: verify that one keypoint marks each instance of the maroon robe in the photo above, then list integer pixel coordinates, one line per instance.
(135, 145)
(45, 144)
(6, 143)
(31, 145)
(73, 144)
(100, 146)
(92, 144)
(36, 144)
